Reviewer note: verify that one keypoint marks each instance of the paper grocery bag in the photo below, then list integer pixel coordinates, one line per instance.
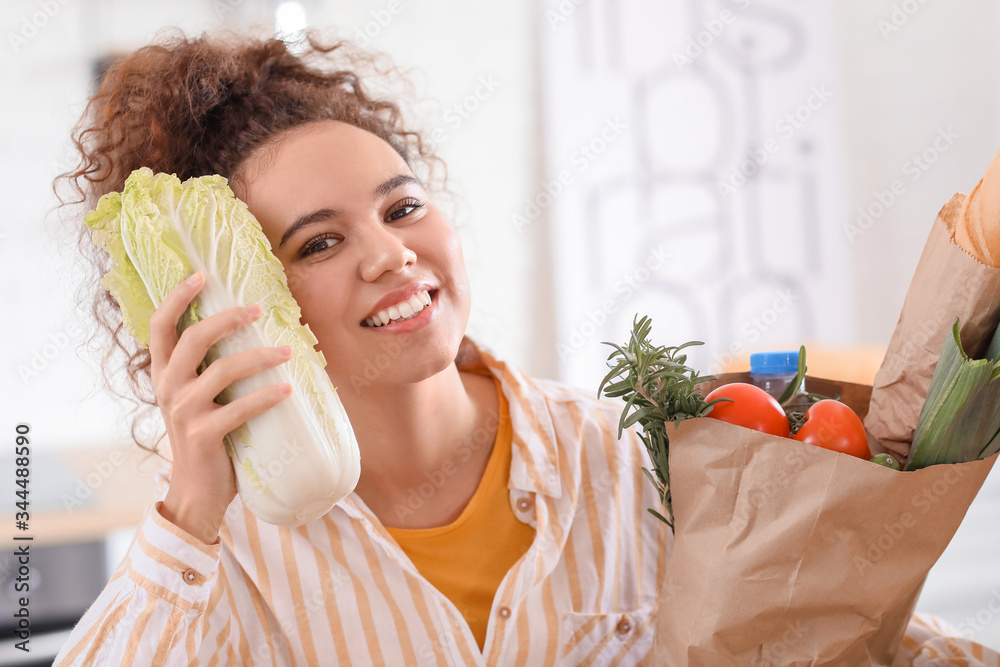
(790, 554)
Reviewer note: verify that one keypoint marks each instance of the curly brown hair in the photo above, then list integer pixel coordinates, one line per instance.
(204, 105)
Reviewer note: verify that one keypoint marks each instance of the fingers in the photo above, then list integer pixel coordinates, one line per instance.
(195, 341)
(163, 323)
(187, 351)
(243, 409)
(224, 371)
(175, 360)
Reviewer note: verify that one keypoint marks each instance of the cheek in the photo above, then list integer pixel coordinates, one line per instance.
(319, 303)
(296, 284)
(460, 275)
(447, 252)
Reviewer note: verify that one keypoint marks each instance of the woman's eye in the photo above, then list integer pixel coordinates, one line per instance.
(405, 209)
(318, 244)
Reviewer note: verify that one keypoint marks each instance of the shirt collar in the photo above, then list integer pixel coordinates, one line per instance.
(535, 458)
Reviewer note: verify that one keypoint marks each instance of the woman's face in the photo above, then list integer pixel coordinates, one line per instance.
(358, 236)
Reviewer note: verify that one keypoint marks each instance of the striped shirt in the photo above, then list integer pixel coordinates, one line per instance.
(340, 590)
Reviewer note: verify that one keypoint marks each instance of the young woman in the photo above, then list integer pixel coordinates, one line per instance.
(534, 548)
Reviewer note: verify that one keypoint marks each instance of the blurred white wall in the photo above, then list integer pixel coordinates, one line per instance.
(938, 70)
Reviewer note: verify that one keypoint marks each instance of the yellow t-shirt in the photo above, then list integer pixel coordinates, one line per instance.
(467, 559)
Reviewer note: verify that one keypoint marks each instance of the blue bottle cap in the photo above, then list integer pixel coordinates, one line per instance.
(774, 363)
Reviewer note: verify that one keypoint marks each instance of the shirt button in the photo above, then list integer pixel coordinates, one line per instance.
(624, 625)
(504, 612)
(525, 504)
(191, 576)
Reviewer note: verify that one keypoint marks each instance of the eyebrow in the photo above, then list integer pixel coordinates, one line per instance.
(381, 191)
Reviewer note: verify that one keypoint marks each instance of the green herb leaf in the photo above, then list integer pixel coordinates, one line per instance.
(658, 387)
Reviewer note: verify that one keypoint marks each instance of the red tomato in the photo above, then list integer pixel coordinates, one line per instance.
(832, 425)
(751, 407)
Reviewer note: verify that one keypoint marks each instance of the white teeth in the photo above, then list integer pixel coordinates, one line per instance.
(403, 310)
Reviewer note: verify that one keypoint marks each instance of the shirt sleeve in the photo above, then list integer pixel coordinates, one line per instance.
(929, 641)
(158, 607)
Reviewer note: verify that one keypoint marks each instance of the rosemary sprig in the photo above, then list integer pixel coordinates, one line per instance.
(657, 388)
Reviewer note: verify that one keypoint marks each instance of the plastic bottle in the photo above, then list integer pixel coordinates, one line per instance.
(774, 371)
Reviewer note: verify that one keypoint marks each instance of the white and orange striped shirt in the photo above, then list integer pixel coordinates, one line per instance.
(340, 591)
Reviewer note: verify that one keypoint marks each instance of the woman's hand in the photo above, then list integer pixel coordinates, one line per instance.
(202, 481)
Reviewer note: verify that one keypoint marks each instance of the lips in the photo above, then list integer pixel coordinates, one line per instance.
(400, 305)
(401, 311)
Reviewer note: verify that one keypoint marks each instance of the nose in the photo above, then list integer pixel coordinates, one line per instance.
(382, 250)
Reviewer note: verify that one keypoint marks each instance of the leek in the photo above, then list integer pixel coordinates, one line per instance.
(960, 418)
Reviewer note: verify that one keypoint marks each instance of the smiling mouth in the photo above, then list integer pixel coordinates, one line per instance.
(401, 311)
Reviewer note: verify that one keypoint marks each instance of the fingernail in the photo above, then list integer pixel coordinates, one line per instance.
(285, 389)
(195, 278)
(253, 310)
(285, 350)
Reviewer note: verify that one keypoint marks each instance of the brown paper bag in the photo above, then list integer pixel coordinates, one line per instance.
(790, 554)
